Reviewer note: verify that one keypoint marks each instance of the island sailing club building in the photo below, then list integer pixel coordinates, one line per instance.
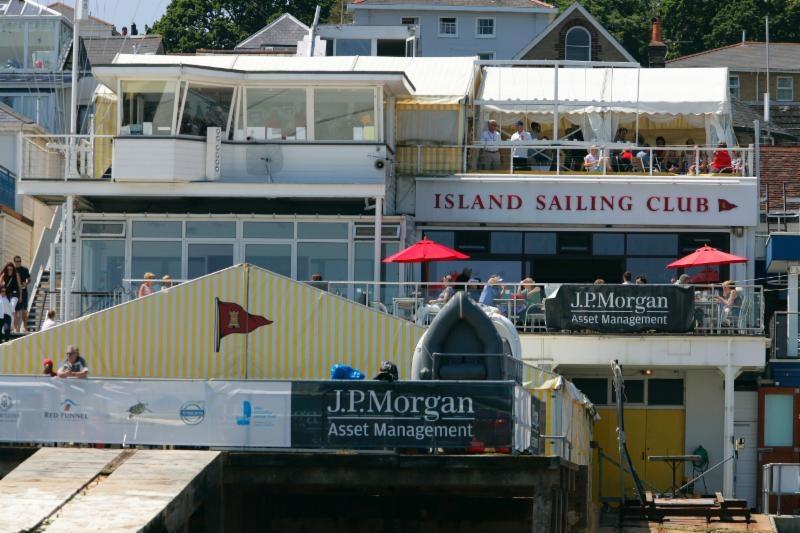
(326, 165)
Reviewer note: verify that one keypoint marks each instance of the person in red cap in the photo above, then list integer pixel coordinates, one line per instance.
(47, 368)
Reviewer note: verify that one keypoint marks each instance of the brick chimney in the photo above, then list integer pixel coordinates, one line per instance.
(657, 50)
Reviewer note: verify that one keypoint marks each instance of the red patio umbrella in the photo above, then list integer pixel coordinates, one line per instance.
(425, 251)
(706, 256)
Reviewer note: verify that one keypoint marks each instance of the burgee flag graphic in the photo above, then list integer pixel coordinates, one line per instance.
(233, 318)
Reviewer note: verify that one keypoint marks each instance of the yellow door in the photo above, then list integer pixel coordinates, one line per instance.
(648, 432)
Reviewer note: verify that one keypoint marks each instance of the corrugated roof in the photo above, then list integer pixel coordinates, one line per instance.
(464, 3)
(749, 55)
(30, 8)
(430, 76)
(285, 31)
(103, 50)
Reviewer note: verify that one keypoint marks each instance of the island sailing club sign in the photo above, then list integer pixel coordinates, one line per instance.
(364, 414)
(621, 308)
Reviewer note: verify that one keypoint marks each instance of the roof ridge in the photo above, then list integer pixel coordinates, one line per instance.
(703, 52)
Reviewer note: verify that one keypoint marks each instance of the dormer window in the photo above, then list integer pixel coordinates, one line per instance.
(578, 44)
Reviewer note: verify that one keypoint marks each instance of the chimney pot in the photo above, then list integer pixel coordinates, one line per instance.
(657, 49)
(656, 37)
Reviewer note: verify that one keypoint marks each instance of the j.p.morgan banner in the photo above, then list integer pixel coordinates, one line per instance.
(692, 202)
(621, 308)
(359, 414)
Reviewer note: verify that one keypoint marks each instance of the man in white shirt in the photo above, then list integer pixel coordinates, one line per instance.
(490, 156)
(520, 155)
(50, 320)
(593, 162)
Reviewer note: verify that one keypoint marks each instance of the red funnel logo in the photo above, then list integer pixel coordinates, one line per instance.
(725, 205)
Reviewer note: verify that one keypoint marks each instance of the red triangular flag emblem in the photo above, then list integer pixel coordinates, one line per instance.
(233, 318)
(725, 205)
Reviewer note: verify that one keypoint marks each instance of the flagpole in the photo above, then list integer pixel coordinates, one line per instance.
(216, 325)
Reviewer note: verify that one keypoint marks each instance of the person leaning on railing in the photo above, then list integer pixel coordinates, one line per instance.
(489, 158)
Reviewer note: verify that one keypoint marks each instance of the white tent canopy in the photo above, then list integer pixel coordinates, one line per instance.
(695, 91)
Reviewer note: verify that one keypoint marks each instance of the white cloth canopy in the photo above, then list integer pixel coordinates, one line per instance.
(690, 91)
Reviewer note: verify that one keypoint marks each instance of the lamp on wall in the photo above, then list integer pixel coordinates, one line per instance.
(738, 231)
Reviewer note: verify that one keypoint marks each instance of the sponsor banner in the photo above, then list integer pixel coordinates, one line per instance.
(696, 202)
(376, 414)
(621, 308)
(181, 412)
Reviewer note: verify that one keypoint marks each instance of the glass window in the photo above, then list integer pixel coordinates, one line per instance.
(273, 257)
(485, 27)
(578, 45)
(12, 44)
(276, 114)
(486, 56)
(596, 389)
(733, 86)
(652, 244)
(540, 243)
(353, 47)
(448, 26)
(634, 391)
(211, 229)
(506, 242)
(785, 89)
(321, 230)
(653, 268)
(42, 45)
(778, 419)
(207, 258)
(269, 230)
(147, 107)
(574, 243)
(116, 229)
(664, 391)
(508, 270)
(409, 21)
(608, 244)
(206, 107)
(473, 241)
(344, 115)
(103, 264)
(159, 257)
(446, 238)
(157, 228)
(328, 259)
(364, 270)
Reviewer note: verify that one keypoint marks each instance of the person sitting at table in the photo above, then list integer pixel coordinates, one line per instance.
(491, 291)
(684, 279)
(721, 159)
(447, 291)
(529, 295)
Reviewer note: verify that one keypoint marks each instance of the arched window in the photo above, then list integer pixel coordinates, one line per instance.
(578, 44)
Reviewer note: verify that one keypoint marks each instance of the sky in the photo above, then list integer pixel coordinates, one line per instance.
(123, 12)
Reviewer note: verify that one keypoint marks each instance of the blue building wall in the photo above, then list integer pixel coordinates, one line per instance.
(513, 31)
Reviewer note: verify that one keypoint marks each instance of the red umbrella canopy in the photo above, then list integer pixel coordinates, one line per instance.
(706, 256)
(424, 251)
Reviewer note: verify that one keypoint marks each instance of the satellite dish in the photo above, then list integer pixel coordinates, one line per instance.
(265, 161)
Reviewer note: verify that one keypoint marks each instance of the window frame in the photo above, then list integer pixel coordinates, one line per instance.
(735, 89)
(403, 23)
(567, 45)
(479, 35)
(778, 88)
(494, 55)
(448, 35)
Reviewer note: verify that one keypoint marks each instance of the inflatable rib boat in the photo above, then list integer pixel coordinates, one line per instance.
(466, 341)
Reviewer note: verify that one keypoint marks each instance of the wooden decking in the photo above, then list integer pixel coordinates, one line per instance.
(82, 489)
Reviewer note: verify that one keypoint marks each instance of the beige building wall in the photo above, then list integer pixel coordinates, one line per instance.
(752, 85)
(15, 237)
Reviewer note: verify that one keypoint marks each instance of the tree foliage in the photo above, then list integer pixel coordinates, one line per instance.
(188, 25)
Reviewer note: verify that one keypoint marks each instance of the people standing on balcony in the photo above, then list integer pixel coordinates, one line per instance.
(684, 279)
(641, 280)
(21, 309)
(626, 278)
(8, 311)
(489, 158)
(166, 282)
(721, 159)
(520, 155)
(11, 282)
(49, 321)
(146, 288)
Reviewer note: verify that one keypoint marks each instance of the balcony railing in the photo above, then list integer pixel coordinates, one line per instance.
(778, 333)
(64, 157)
(420, 303)
(542, 158)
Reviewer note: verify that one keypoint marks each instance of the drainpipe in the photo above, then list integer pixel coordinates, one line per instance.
(727, 428)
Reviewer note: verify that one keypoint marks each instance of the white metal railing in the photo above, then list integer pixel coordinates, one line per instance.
(420, 302)
(779, 480)
(544, 157)
(65, 157)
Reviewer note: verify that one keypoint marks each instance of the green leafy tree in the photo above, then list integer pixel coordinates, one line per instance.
(188, 25)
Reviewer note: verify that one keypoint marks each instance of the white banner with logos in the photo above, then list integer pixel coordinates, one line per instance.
(179, 412)
(689, 201)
